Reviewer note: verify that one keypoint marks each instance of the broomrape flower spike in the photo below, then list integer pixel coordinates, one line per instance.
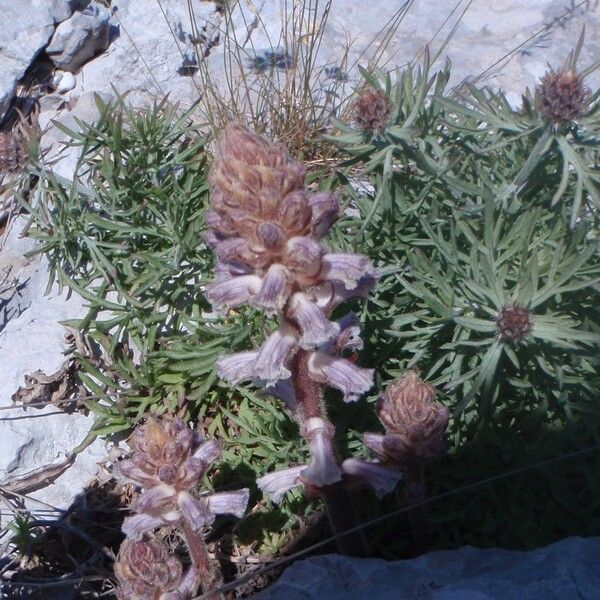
(413, 421)
(168, 460)
(266, 232)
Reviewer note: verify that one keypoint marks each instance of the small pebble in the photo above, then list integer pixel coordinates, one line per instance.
(64, 81)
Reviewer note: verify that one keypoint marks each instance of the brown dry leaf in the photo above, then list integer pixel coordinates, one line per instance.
(36, 479)
(60, 387)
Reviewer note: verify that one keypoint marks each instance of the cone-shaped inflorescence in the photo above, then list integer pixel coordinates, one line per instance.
(414, 423)
(561, 96)
(168, 461)
(266, 231)
(146, 570)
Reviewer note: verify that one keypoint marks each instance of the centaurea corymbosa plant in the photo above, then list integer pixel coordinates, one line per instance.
(168, 460)
(266, 232)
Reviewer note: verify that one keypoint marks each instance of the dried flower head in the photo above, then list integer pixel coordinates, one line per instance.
(371, 110)
(413, 421)
(561, 96)
(13, 154)
(18, 145)
(513, 323)
(146, 571)
(168, 460)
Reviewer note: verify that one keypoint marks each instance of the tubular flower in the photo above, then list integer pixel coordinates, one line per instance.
(146, 571)
(413, 421)
(168, 460)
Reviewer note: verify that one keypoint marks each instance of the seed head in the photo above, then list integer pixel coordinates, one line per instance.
(146, 571)
(514, 322)
(371, 110)
(561, 96)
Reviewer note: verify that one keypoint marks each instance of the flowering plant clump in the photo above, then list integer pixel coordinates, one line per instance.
(168, 461)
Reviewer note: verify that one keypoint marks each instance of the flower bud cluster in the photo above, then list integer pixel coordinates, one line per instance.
(562, 96)
(147, 571)
(413, 421)
(168, 460)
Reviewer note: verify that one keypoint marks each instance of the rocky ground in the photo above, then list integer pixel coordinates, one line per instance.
(62, 52)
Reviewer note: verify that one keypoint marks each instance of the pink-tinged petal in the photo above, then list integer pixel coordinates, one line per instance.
(208, 452)
(233, 292)
(316, 328)
(347, 268)
(275, 289)
(303, 255)
(323, 468)
(276, 485)
(325, 212)
(235, 368)
(331, 293)
(382, 479)
(136, 526)
(341, 374)
(236, 249)
(195, 511)
(127, 471)
(156, 500)
(374, 442)
(279, 347)
(229, 503)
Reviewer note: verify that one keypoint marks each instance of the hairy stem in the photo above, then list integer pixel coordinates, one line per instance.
(415, 492)
(208, 577)
(339, 503)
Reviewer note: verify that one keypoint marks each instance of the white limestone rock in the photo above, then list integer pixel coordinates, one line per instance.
(79, 38)
(567, 569)
(26, 27)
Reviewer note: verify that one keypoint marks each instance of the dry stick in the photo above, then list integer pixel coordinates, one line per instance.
(210, 579)
(339, 502)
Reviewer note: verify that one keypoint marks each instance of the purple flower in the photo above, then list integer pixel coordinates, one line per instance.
(350, 269)
(341, 374)
(316, 328)
(323, 468)
(276, 485)
(382, 479)
(233, 291)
